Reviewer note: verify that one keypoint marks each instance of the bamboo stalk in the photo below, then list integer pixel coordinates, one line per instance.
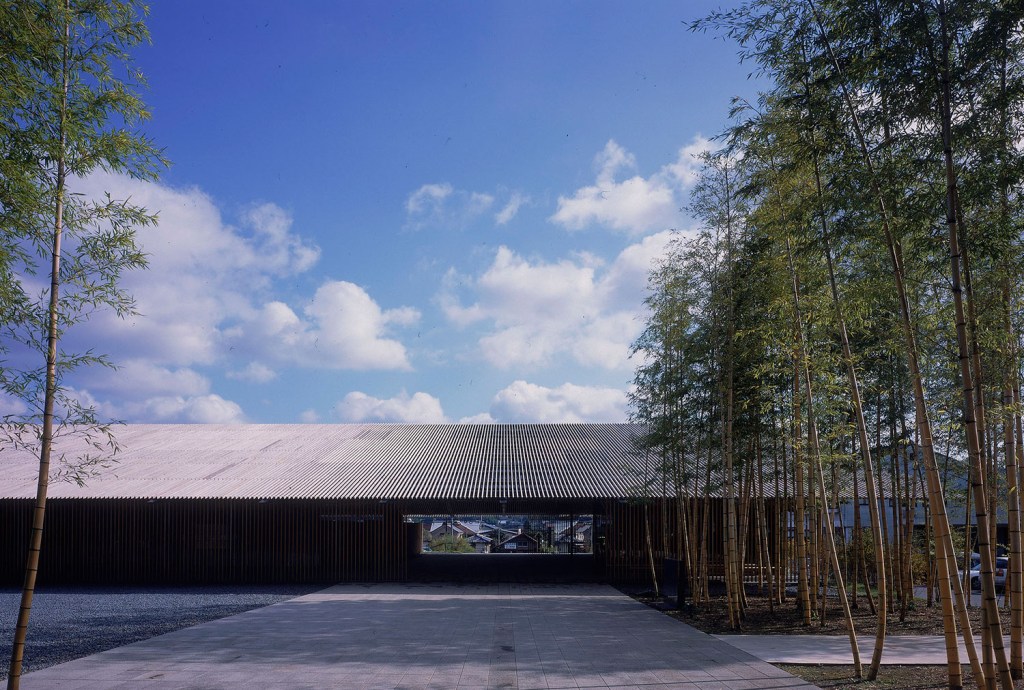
(950, 590)
(812, 432)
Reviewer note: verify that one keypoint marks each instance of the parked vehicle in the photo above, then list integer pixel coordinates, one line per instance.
(974, 574)
(1002, 567)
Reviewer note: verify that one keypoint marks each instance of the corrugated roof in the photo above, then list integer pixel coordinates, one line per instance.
(351, 461)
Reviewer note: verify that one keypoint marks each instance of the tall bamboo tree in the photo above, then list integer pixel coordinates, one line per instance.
(77, 111)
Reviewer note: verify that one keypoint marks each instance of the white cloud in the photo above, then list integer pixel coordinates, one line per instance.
(352, 326)
(481, 418)
(606, 340)
(210, 299)
(524, 402)
(12, 406)
(441, 205)
(199, 407)
(624, 283)
(402, 316)
(636, 204)
(254, 372)
(420, 408)
(309, 416)
(204, 409)
(280, 250)
(203, 272)
(535, 310)
(141, 391)
(343, 329)
(140, 378)
(511, 208)
(427, 199)
(687, 164)
(533, 307)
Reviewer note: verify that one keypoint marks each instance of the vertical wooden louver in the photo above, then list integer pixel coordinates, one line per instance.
(325, 503)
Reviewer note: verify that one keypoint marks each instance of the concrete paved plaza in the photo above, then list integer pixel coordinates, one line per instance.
(926, 650)
(430, 636)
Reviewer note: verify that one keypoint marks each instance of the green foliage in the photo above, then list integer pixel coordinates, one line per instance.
(791, 172)
(69, 109)
(448, 543)
(832, 189)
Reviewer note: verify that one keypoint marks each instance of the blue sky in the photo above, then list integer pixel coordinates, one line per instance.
(406, 211)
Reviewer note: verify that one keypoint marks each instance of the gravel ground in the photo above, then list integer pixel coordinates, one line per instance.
(68, 623)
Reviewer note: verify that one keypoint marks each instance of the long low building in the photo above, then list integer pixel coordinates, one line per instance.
(313, 503)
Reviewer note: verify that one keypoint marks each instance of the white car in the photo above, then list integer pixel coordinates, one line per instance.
(1002, 566)
(974, 574)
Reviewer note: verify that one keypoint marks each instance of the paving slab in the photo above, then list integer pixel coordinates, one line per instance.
(926, 650)
(431, 636)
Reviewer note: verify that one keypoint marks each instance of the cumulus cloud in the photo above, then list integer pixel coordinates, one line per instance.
(203, 409)
(427, 198)
(10, 405)
(441, 205)
(204, 272)
(280, 251)
(511, 208)
(142, 378)
(309, 416)
(210, 299)
(523, 402)
(419, 408)
(687, 164)
(343, 328)
(141, 391)
(535, 310)
(636, 204)
(624, 283)
(481, 418)
(533, 307)
(254, 372)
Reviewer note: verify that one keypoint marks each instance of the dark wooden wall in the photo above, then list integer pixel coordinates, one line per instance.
(124, 541)
(193, 541)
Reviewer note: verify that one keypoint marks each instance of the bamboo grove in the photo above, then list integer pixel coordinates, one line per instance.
(844, 325)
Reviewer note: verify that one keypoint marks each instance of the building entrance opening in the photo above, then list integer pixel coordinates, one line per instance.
(511, 548)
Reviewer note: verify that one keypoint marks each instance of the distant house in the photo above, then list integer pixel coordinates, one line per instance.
(567, 544)
(479, 534)
(576, 538)
(434, 531)
(520, 543)
(475, 526)
(499, 534)
(466, 530)
(480, 543)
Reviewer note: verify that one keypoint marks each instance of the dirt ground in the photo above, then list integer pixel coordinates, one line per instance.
(763, 619)
(895, 677)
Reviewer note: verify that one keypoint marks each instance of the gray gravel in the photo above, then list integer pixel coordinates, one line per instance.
(68, 623)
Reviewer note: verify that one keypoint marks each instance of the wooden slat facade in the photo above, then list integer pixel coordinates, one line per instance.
(324, 503)
(222, 541)
(626, 559)
(179, 541)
